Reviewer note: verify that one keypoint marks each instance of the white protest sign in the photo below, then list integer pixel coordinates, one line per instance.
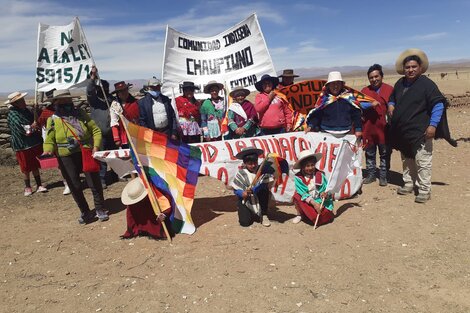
(237, 57)
(218, 159)
(64, 58)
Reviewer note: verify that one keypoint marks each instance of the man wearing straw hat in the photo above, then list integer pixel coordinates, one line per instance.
(287, 78)
(26, 140)
(417, 109)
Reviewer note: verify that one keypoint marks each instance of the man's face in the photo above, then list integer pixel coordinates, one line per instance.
(335, 87)
(251, 166)
(375, 79)
(412, 70)
(155, 88)
(287, 80)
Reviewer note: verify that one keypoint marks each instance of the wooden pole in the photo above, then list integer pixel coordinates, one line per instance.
(153, 200)
(318, 215)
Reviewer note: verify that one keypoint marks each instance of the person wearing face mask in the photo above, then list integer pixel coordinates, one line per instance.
(374, 125)
(156, 111)
(337, 111)
(25, 139)
(64, 130)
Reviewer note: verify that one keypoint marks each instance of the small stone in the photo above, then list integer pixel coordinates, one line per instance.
(299, 304)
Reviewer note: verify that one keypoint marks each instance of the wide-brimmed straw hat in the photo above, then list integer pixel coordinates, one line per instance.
(15, 96)
(121, 86)
(133, 192)
(154, 82)
(61, 94)
(239, 90)
(265, 77)
(189, 85)
(247, 151)
(307, 154)
(334, 77)
(399, 66)
(288, 73)
(212, 83)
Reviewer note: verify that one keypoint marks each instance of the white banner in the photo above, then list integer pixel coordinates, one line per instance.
(64, 58)
(236, 57)
(218, 159)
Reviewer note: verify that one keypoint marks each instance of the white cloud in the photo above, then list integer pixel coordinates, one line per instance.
(429, 37)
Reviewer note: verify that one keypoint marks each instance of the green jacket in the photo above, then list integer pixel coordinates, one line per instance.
(57, 133)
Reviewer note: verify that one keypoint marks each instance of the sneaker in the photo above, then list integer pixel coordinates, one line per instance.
(102, 215)
(28, 191)
(66, 190)
(41, 189)
(422, 197)
(85, 218)
(404, 190)
(297, 219)
(383, 182)
(265, 221)
(369, 180)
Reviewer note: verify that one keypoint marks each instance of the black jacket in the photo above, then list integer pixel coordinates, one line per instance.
(146, 114)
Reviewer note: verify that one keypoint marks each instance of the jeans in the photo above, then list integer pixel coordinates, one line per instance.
(71, 167)
(107, 143)
(384, 155)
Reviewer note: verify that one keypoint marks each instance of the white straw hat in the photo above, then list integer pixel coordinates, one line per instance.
(306, 154)
(334, 77)
(15, 96)
(133, 192)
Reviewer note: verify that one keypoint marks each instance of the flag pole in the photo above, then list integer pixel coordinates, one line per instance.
(93, 61)
(35, 105)
(153, 200)
(318, 215)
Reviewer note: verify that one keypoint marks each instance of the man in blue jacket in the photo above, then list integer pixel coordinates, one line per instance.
(156, 112)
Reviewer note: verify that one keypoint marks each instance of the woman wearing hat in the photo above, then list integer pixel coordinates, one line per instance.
(65, 131)
(25, 139)
(126, 105)
(273, 110)
(188, 113)
(212, 111)
(141, 218)
(337, 111)
(252, 201)
(418, 115)
(242, 116)
(310, 186)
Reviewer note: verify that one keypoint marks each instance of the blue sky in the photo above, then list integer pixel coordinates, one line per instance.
(127, 37)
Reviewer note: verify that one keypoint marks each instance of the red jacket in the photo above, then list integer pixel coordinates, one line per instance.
(374, 122)
(274, 114)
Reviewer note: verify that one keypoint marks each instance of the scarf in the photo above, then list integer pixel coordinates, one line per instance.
(245, 111)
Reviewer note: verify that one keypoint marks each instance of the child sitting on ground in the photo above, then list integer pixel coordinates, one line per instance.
(252, 200)
(310, 185)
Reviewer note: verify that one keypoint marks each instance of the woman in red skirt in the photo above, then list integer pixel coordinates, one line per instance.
(26, 140)
(310, 186)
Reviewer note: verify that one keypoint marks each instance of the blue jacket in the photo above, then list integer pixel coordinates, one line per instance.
(146, 114)
(338, 116)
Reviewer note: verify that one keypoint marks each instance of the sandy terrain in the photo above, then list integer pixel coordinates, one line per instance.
(383, 253)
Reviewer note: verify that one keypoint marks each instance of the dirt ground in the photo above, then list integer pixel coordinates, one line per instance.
(383, 252)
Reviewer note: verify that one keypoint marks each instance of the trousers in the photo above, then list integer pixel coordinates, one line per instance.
(417, 171)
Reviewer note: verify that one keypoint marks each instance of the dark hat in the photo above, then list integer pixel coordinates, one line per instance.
(288, 73)
(247, 151)
(189, 85)
(239, 90)
(121, 86)
(266, 77)
(212, 83)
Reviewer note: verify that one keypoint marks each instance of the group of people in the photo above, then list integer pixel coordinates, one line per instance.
(404, 117)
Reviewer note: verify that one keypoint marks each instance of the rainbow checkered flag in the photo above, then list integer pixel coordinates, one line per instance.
(274, 166)
(172, 168)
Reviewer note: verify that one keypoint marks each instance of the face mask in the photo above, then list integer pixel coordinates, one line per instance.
(154, 93)
(67, 107)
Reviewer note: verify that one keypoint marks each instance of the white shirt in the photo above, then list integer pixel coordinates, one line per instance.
(160, 119)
